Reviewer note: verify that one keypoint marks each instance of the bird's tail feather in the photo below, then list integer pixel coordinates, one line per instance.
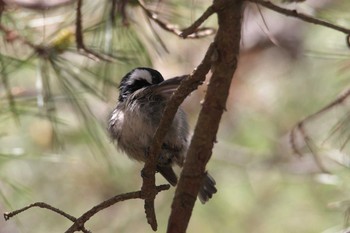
(168, 173)
(207, 189)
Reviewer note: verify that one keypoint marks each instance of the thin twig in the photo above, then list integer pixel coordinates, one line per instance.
(301, 16)
(156, 35)
(292, 141)
(194, 27)
(311, 147)
(328, 107)
(122, 197)
(9, 95)
(79, 38)
(189, 84)
(12, 35)
(337, 101)
(2, 7)
(307, 140)
(78, 26)
(43, 205)
(195, 34)
(9, 215)
(78, 224)
(340, 124)
(121, 8)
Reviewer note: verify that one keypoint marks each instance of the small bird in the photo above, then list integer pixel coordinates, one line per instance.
(143, 95)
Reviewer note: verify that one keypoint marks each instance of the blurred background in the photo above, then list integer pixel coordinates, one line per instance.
(55, 102)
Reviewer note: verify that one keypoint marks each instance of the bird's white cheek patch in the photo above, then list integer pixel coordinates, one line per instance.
(120, 117)
(117, 117)
(140, 74)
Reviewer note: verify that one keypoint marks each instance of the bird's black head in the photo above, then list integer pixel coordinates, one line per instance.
(136, 79)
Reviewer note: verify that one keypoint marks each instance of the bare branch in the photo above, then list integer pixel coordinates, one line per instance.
(78, 224)
(227, 43)
(2, 7)
(193, 28)
(311, 147)
(189, 84)
(292, 141)
(9, 215)
(328, 107)
(301, 16)
(80, 39)
(194, 31)
(300, 127)
(78, 26)
(332, 104)
(43, 205)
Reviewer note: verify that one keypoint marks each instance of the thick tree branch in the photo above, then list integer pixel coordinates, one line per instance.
(227, 43)
(189, 84)
(304, 17)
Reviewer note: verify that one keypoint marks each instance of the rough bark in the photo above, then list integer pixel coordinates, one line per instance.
(227, 43)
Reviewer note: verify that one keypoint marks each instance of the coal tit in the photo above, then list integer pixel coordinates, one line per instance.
(143, 95)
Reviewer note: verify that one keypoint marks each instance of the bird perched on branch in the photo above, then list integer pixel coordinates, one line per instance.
(143, 96)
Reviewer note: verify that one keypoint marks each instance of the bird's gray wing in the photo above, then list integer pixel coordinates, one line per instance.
(167, 87)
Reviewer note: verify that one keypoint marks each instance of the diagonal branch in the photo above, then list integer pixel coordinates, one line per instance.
(43, 205)
(227, 43)
(192, 29)
(193, 32)
(301, 16)
(79, 38)
(2, 7)
(189, 84)
(78, 224)
(300, 128)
